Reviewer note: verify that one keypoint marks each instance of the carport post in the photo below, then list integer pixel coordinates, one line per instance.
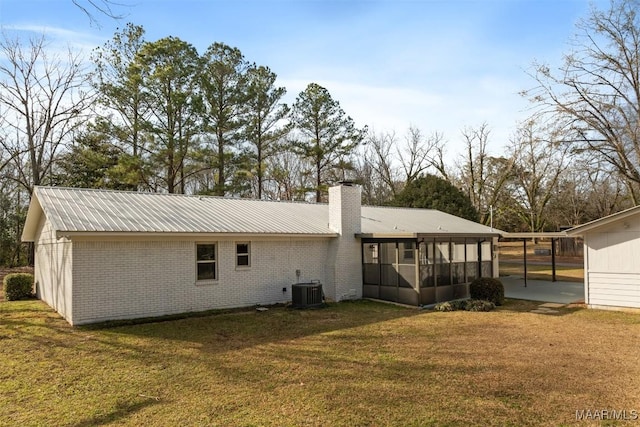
(553, 259)
(524, 241)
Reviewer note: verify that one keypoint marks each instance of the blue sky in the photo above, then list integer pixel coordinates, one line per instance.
(434, 64)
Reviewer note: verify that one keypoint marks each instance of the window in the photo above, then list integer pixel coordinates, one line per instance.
(486, 269)
(243, 254)
(427, 259)
(472, 261)
(442, 252)
(371, 269)
(407, 250)
(387, 253)
(206, 262)
(458, 251)
(443, 265)
(370, 251)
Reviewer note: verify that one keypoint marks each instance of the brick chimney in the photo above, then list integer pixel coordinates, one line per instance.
(345, 254)
(345, 208)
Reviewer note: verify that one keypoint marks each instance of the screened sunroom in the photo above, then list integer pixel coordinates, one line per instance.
(424, 269)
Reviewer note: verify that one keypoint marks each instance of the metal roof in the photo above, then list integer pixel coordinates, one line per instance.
(89, 211)
(73, 210)
(411, 222)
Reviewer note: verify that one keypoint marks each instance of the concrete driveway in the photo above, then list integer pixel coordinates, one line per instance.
(542, 290)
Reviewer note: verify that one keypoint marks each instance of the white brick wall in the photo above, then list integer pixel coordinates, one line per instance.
(52, 274)
(127, 279)
(124, 278)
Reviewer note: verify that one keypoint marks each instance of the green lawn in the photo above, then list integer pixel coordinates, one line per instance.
(350, 364)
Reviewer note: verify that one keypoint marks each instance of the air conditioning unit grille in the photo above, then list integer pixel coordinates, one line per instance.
(307, 295)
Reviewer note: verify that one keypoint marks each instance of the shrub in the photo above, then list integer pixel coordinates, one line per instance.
(450, 305)
(18, 286)
(479, 305)
(488, 289)
(467, 305)
(443, 306)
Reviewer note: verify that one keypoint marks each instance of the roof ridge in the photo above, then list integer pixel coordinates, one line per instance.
(154, 193)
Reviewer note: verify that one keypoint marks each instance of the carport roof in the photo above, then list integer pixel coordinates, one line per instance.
(534, 235)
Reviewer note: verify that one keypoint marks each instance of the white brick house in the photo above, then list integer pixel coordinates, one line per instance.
(105, 255)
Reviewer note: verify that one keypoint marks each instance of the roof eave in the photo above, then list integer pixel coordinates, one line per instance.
(34, 213)
(533, 235)
(387, 235)
(589, 226)
(190, 235)
(421, 235)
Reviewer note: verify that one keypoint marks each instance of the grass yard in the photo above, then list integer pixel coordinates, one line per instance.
(350, 364)
(543, 272)
(568, 268)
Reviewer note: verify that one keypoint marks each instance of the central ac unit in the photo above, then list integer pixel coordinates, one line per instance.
(307, 295)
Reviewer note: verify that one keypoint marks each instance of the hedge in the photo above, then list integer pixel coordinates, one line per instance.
(18, 286)
(466, 305)
(488, 289)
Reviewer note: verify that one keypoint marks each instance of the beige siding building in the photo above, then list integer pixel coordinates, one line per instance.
(611, 260)
(106, 255)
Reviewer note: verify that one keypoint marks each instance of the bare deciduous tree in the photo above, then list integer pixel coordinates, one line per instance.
(482, 178)
(420, 153)
(588, 189)
(379, 176)
(289, 177)
(102, 7)
(596, 92)
(386, 165)
(43, 100)
(539, 160)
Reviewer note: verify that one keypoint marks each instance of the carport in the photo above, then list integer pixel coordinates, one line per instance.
(554, 236)
(543, 290)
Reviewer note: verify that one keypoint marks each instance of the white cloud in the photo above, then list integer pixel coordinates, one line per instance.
(446, 109)
(59, 38)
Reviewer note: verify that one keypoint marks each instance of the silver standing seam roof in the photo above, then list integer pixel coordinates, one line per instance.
(89, 211)
(412, 222)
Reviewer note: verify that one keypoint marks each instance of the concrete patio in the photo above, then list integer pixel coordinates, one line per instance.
(543, 290)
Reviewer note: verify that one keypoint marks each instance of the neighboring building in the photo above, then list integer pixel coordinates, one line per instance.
(105, 255)
(611, 254)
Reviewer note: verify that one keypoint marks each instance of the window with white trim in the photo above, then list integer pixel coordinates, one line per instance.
(243, 254)
(206, 261)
